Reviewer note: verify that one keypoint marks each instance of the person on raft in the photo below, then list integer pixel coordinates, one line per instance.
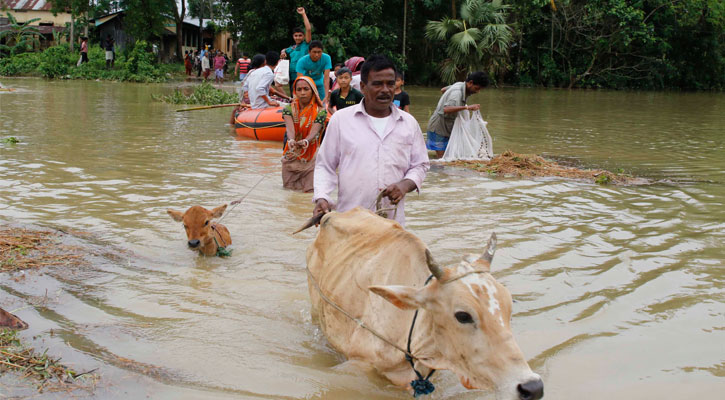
(260, 83)
(305, 120)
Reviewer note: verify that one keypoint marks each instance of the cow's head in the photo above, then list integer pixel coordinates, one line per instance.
(197, 222)
(470, 313)
(11, 321)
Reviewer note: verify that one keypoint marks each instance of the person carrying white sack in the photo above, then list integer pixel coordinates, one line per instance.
(440, 125)
(470, 139)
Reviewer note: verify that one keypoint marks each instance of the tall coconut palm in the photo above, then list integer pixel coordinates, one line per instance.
(478, 41)
(21, 37)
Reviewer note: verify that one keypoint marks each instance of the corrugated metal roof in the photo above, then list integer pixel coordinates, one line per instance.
(36, 5)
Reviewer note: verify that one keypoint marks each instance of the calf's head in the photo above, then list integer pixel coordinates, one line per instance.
(197, 223)
(470, 315)
(11, 321)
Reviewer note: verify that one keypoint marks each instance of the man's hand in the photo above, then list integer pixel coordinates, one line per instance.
(397, 191)
(474, 107)
(283, 53)
(301, 10)
(321, 207)
(273, 103)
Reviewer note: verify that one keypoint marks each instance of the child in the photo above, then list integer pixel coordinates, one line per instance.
(346, 95)
(401, 99)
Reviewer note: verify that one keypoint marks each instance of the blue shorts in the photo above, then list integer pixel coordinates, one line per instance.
(436, 142)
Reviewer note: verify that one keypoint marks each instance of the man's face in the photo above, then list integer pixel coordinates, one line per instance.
(471, 88)
(315, 54)
(379, 89)
(298, 37)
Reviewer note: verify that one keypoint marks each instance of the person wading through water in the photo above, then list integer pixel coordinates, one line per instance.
(305, 119)
(369, 148)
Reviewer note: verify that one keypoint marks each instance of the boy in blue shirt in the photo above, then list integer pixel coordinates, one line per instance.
(300, 48)
(317, 66)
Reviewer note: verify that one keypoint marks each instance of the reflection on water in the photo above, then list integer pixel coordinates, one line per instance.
(619, 290)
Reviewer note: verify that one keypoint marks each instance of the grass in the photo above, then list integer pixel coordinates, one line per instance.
(47, 371)
(531, 165)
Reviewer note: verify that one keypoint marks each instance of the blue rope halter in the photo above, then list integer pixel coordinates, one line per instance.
(421, 386)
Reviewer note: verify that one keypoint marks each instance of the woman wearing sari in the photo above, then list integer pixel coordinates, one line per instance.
(305, 119)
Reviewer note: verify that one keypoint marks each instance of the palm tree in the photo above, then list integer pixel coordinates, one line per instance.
(478, 41)
(21, 37)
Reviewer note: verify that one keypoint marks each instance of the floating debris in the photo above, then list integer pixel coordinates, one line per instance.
(531, 165)
(22, 249)
(49, 372)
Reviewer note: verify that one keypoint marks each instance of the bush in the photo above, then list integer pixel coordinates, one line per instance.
(205, 94)
(54, 62)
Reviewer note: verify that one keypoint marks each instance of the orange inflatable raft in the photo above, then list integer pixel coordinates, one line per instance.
(260, 124)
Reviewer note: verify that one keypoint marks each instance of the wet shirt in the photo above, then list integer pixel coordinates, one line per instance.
(353, 97)
(440, 122)
(401, 100)
(359, 163)
(315, 70)
(294, 53)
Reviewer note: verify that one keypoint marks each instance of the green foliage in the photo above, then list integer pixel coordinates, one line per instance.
(59, 62)
(621, 44)
(54, 62)
(480, 40)
(204, 94)
(20, 37)
(145, 19)
(10, 140)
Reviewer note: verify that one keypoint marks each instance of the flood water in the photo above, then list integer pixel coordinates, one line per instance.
(619, 290)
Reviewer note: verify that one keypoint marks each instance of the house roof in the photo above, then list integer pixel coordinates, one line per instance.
(27, 5)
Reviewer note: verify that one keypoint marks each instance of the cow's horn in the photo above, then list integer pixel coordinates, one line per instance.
(433, 266)
(490, 249)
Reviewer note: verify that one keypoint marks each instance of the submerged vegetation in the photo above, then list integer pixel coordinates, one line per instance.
(530, 165)
(50, 374)
(136, 65)
(205, 94)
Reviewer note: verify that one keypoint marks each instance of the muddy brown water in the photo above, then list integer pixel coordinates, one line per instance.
(619, 290)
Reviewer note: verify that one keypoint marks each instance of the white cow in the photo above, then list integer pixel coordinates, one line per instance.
(362, 263)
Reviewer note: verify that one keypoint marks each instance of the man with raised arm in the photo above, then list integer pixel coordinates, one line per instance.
(371, 147)
(300, 48)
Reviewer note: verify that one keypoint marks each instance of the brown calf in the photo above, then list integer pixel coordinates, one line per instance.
(200, 231)
(11, 321)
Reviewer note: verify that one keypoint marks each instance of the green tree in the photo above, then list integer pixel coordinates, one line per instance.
(145, 19)
(21, 37)
(480, 40)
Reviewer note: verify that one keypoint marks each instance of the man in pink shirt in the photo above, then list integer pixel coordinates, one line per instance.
(371, 147)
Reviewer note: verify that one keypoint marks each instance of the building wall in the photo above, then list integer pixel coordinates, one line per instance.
(45, 17)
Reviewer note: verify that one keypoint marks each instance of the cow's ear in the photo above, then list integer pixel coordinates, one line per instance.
(178, 216)
(403, 297)
(219, 211)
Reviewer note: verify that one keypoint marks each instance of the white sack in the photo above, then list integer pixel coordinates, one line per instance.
(470, 139)
(281, 72)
